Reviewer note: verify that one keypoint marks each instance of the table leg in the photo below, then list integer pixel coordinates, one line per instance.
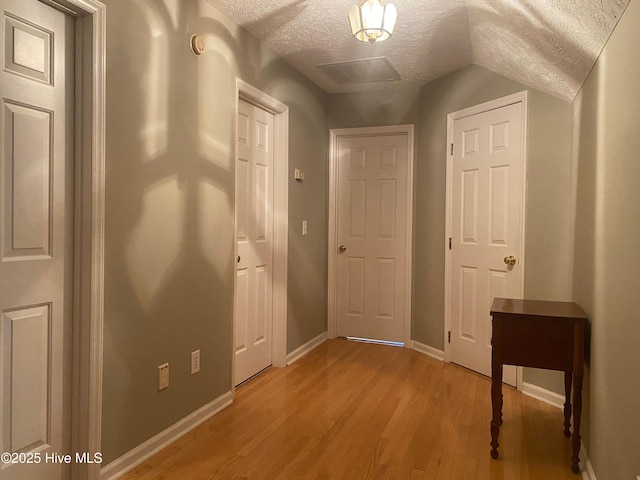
(567, 404)
(577, 411)
(496, 403)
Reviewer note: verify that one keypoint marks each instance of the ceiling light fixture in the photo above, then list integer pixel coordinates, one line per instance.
(372, 20)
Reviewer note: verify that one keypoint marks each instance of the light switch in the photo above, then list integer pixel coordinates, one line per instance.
(195, 361)
(304, 227)
(163, 376)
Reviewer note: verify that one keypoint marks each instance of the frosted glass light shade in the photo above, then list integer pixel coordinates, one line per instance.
(372, 20)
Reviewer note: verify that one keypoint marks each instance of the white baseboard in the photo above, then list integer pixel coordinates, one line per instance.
(427, 350)
(587, 471)
(542, 394)
(139, 454)
(302, 350)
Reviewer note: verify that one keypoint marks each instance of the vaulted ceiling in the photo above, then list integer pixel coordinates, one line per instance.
(549, 45)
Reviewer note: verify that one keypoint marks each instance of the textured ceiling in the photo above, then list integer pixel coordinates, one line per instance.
(550, 45)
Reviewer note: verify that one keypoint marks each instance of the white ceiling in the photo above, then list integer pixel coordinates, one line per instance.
(550, 45)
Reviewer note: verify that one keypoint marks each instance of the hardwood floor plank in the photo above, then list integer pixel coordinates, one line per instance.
(352, 411)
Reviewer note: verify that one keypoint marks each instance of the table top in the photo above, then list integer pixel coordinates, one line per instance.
(540, 308)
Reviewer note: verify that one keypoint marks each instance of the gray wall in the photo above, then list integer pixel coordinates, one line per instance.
(170, 209)
(371, 109)
(606, 282)
(549, 217)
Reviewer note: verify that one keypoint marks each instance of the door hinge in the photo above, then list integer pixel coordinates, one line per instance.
(452, 149)
(449, 336)
(449, 243)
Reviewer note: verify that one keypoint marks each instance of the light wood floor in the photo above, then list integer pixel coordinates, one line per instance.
(352, 411)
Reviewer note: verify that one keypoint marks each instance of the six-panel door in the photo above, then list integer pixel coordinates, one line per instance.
(487, 216)
(372, 219)
(36, 243)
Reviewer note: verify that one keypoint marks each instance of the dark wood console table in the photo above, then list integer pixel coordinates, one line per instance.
(538, 334)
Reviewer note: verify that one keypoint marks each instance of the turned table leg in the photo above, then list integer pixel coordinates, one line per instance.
(577, 411)
(567, 404)
(496, 403)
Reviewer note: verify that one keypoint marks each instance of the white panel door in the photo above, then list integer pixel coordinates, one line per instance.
(36, 249)
(372, 233)
(487, 227)
(254, 237)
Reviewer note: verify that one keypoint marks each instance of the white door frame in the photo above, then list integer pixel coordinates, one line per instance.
(335, 135)
(86, 428)
(280, 112)
(89, 213)
(520, 97)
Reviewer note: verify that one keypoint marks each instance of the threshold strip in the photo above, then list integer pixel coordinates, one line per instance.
(373, 340)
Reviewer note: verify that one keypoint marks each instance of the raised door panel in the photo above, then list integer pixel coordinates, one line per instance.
(262, 141)
(356, 286)
(386, 292)
(25, 366)
(499, 205)
(357, 209)
(470, 142)
(468, 302)
(261, 294)
(242, 311)
(469, 207)
(389, 157)
(243, 199)
(499, 136)
(262, 204)
(388, 195)
(28, 156)
(27, 49)
(357, 158)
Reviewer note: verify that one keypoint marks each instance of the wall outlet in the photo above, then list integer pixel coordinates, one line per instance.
(163, 376)
(195, 361)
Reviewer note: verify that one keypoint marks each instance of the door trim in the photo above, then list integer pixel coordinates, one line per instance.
(520, 97)
(335, 135)
(88, 322)
(280, 112)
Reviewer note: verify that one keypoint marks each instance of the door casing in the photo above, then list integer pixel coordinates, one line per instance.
(280, 111)
(335, 135)
(520, 97)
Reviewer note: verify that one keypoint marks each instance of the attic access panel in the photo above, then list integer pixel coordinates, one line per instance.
(368, 70)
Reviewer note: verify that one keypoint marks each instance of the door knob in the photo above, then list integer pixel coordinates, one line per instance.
(238, 259)
(510, 260)
(342, 248)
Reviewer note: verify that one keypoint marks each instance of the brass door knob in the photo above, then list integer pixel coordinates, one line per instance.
(510, 260)
(342, 248)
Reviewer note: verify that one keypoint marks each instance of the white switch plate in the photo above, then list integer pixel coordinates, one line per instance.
(195, 361)
(304, 227)
(298, 174)
(163, 376)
